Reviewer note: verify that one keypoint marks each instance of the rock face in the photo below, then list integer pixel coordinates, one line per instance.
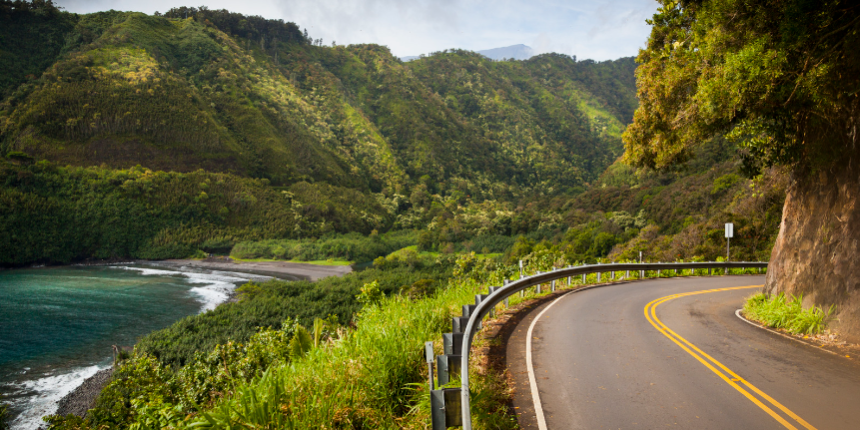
(83, 398)
(816, 252)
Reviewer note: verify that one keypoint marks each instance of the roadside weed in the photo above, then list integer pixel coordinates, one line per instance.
(789, 315)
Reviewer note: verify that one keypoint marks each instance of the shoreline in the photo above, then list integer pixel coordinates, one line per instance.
(277, 269)
(83, 397)
(284, 270)
(80, 400)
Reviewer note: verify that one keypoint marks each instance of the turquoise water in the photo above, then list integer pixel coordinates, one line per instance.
(57, 325)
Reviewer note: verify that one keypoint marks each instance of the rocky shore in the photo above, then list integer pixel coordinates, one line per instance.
(83, 398)
(277, 269)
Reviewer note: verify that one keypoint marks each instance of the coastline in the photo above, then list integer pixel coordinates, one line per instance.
(278, 269)
(83, 397)
(290, 271)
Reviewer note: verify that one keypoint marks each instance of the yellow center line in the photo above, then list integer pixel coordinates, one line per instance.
(732, 378)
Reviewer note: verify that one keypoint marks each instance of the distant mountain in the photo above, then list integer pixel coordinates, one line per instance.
(517, 52)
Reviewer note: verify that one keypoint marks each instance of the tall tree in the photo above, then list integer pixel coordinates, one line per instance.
(780, 78)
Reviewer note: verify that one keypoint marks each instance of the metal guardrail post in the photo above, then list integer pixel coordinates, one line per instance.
(492, 290)
(537, 288)
(448, 367)
(477, 313)
(451, 343)
(445, 408)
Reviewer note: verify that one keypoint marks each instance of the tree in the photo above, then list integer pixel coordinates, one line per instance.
(780, 79)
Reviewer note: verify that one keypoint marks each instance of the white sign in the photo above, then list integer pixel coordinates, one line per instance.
(730, 230)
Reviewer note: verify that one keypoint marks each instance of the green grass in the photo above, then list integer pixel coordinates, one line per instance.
(777, 312)
(316, 262)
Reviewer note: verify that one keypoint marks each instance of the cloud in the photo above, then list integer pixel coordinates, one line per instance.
(597, 29)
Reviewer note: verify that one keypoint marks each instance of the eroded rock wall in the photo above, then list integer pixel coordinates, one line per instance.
(816, 252)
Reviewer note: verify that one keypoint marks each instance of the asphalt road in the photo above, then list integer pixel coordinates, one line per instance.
(600, 363)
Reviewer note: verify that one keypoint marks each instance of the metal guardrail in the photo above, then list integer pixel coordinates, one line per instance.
(443, 416)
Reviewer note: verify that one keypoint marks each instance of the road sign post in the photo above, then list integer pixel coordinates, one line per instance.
(730, 232)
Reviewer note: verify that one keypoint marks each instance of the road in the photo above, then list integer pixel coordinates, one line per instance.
(599, 362)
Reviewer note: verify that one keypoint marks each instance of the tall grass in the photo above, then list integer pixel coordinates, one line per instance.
(785, 314)
(364, 380)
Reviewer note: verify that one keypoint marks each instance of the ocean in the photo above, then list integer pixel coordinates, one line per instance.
(58, 325)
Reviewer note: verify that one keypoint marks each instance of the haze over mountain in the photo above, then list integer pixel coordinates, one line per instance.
(517, 52)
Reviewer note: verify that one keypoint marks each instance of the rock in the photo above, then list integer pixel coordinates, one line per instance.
(83, 398)
(816, 251)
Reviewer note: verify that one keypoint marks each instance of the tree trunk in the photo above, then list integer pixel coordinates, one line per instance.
(816, 252)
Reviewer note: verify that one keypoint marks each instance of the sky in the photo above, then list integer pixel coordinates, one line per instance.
(597, 29)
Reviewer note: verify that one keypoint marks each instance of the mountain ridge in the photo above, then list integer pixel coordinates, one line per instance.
(181, 94)
(516, 52)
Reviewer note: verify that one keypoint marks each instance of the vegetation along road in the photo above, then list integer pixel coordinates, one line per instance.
(672, 353)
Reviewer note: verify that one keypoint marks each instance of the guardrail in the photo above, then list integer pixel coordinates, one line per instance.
(444, 402)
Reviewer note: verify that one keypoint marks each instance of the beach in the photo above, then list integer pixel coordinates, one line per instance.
(278, 269)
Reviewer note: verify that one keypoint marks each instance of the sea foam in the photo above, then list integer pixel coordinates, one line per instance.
(215, 286)
(40, 397)
(47, 393)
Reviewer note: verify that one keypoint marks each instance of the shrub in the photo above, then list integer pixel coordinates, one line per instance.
(777, 312)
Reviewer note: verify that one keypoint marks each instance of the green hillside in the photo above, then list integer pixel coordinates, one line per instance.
(248, 97)
(179, 94)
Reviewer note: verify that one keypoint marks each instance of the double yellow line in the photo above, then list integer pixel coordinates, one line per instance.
(731, 378)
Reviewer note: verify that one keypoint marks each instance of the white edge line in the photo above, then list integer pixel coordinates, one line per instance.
(541, 420)
(738, 314)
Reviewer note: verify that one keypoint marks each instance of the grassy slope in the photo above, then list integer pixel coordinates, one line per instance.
(177, 94)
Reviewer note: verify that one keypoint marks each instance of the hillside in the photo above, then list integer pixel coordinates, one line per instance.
(95, 105)
(206, 92)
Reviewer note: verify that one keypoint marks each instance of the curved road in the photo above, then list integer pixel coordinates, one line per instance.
(601, 360)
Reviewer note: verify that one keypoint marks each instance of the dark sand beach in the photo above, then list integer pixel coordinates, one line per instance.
(277, 269)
